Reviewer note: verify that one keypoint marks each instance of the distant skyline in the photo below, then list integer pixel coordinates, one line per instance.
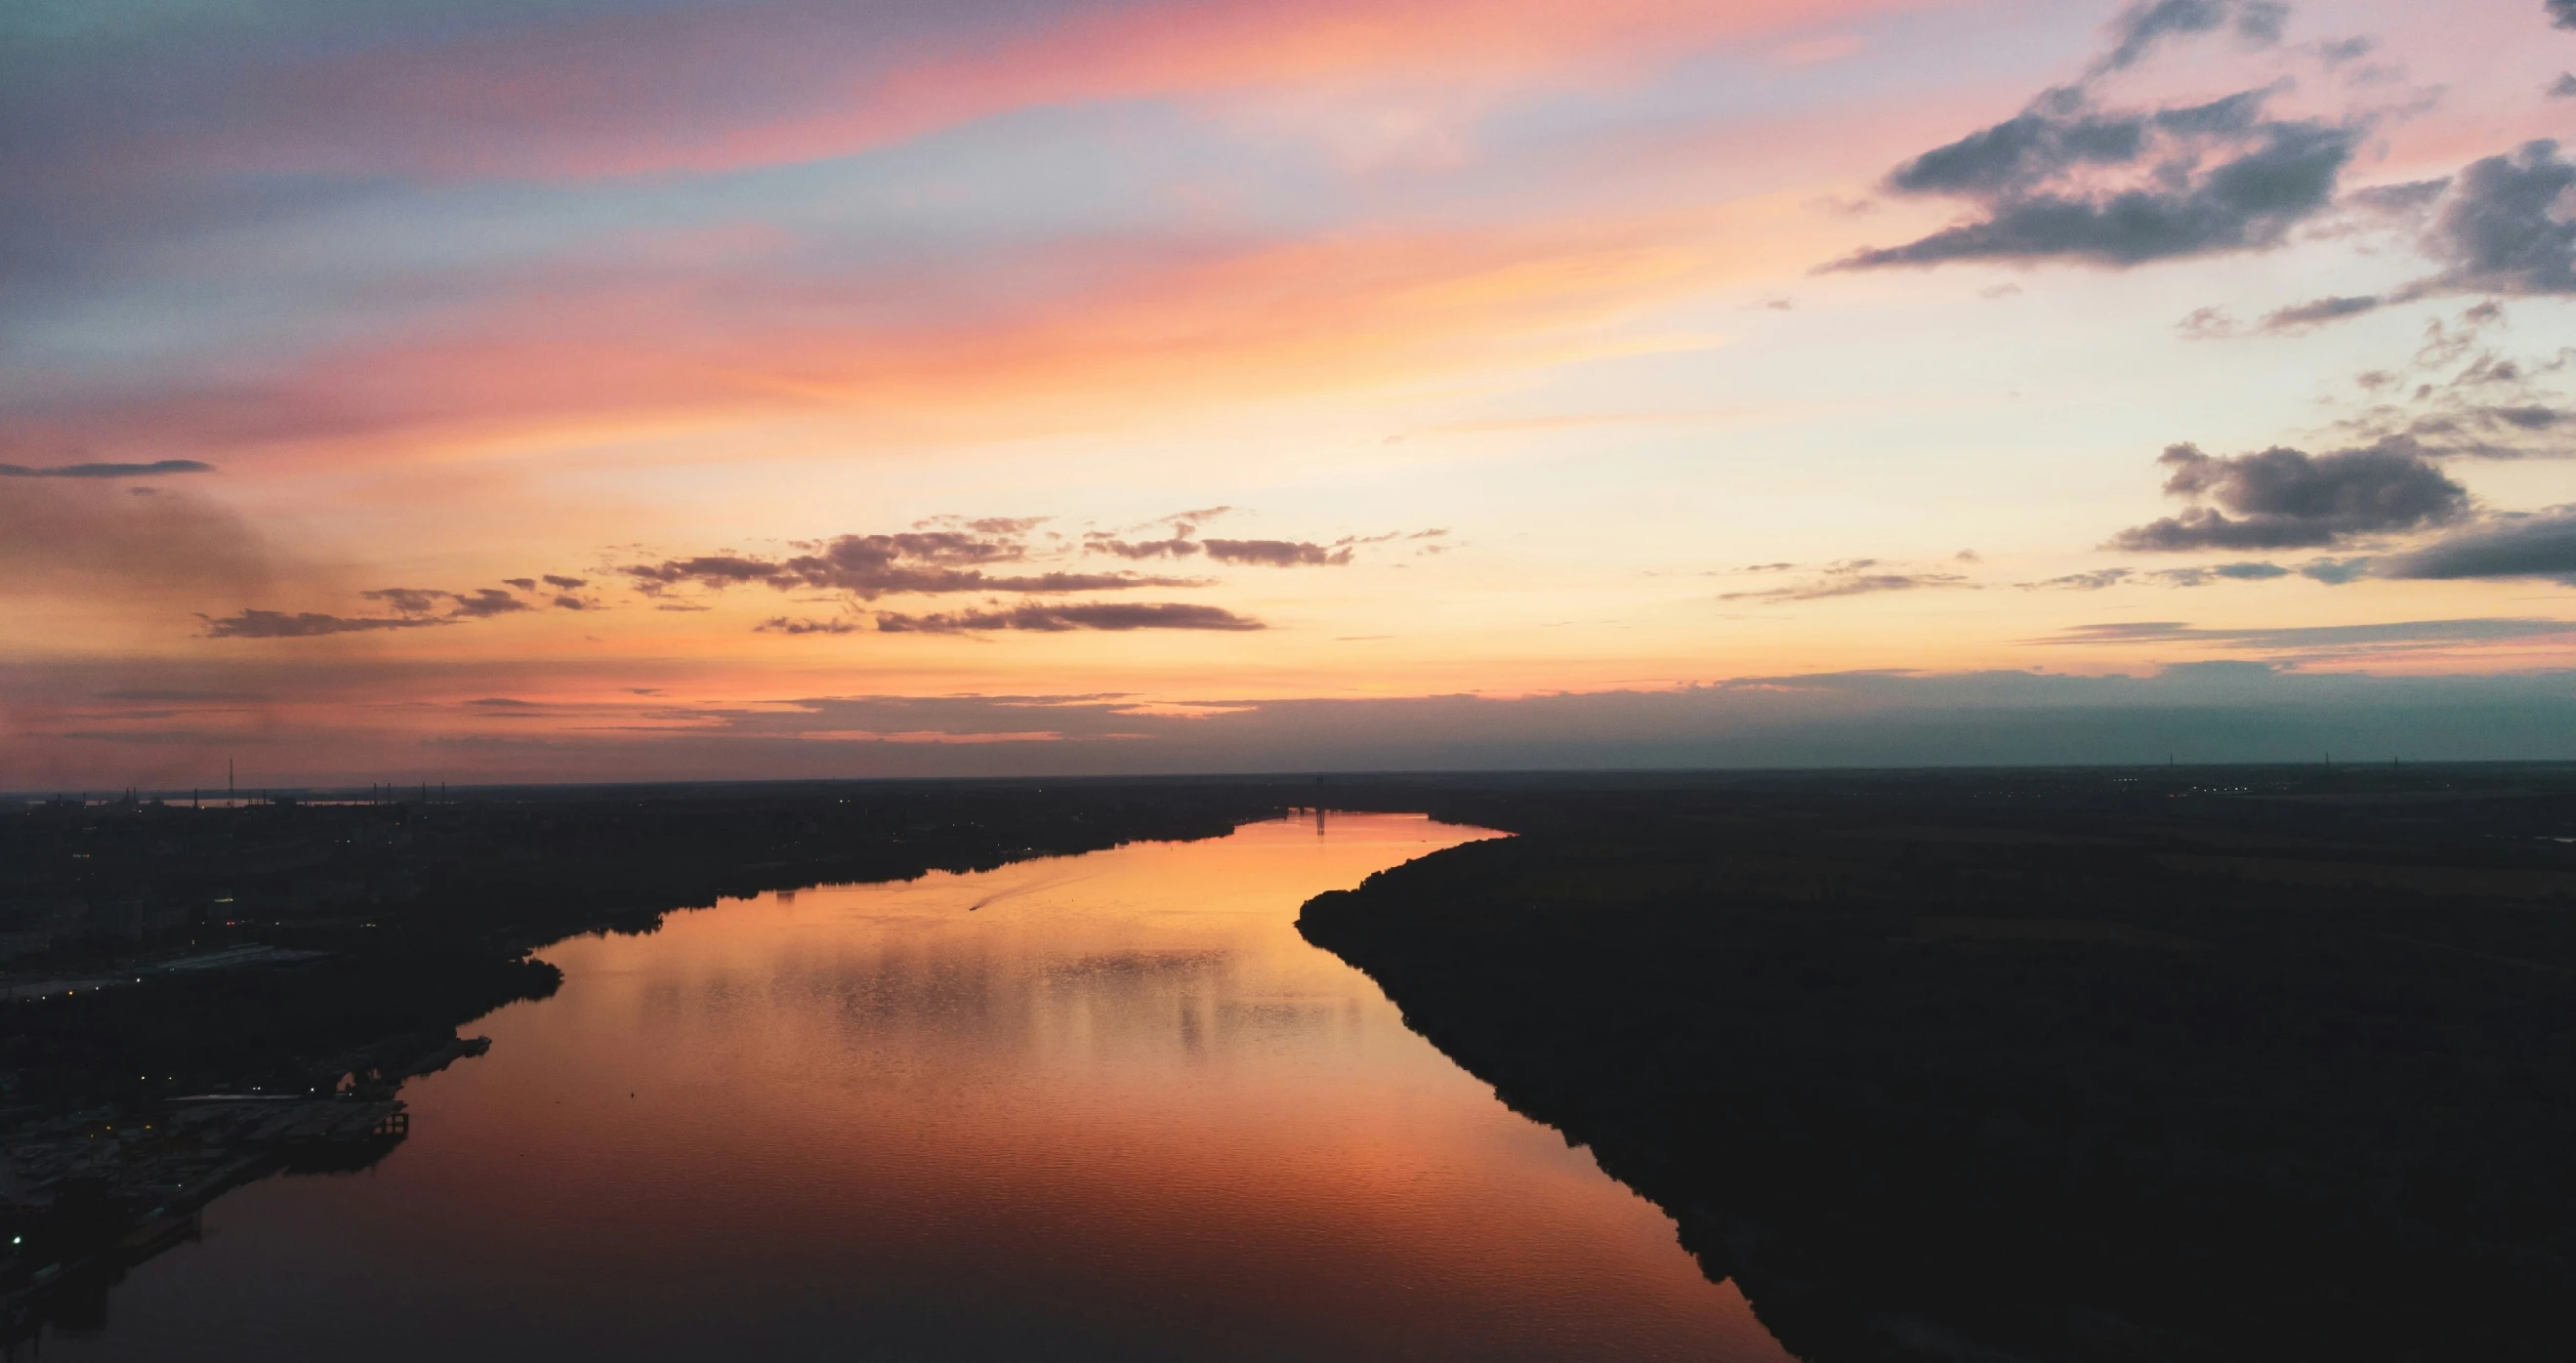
(637, 389)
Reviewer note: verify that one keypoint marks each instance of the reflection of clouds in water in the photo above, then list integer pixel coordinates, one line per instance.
(1015, 991)
(1124, 1002)
(1142, 1112)
(947, 988)
(1141, 965)
(1150, 960)
(1271, 1018)
(959, 991)
(711, 998)
(943, 989)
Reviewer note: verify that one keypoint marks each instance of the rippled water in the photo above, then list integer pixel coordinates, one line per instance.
(1105, 1107)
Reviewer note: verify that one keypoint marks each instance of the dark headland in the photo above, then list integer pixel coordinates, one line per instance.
(2065, 1066)
(2133, 1064)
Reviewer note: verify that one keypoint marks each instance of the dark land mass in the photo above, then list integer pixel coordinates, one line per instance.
(198, 997)
(2042, 1065)
(2066, 1066)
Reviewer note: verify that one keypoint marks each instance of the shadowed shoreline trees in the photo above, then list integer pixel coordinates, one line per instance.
(421, 914)
(2029, 1067)
(2078, 1065)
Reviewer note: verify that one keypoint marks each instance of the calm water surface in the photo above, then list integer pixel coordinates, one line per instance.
(1107, 1107)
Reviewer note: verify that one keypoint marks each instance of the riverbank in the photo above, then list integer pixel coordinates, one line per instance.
(2029, 1066)
(1101, 1107)
(295, 951)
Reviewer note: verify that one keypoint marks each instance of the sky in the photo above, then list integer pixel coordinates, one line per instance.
(637, 389)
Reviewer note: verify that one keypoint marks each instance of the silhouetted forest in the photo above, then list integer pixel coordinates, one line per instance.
(398, 921)
(2223, 1065)
(301, 958)
(2070, 1065)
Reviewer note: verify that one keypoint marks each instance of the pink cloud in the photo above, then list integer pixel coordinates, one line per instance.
(1099, 327)
(701, 90)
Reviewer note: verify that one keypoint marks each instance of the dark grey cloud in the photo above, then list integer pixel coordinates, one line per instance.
(709, 570)
(2405, 201)
(2068, 179)
(2094, 581)
(2484, 431)
(870, 566)
(413, 607)
(408, 600)
(1276, 553)
(2064, 180)
(2198, 576)
(1056, 619)
(2497, 227)
(260, 624)
(2335, 572)
(2316, 638)
(155, 469)
(1177, 543)
(1008, 527)
(1854, 577)
(2502, 228)
(479, 604)
(2283, 498)
(1270, 553)
(2561, 12)
(2214, 323)
(563, 597)
(2526, 545)
(2562, 88)
(780, 624)
(1178, 546)
(2458, 399)
(2219, 572)
(2318, 312)
(2137, 30)
(487, 602)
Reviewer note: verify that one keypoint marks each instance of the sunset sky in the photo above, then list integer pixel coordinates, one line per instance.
(612, 389)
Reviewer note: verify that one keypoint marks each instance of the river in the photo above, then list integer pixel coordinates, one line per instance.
(1098, 1107)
